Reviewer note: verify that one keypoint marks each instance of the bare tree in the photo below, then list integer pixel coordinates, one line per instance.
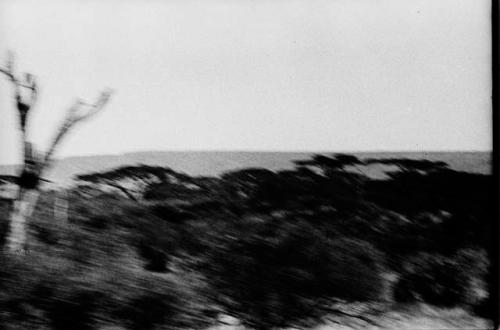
(35, 164)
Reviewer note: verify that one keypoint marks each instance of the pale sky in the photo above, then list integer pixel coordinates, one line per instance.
(298, 75)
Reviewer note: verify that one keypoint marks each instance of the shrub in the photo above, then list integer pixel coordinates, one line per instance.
(36, 290)
(157, 302)
(435, 279)
(287, 274)
(75, 310)
(155, 240)
(28, 285)
(156, 259)
(147, 310)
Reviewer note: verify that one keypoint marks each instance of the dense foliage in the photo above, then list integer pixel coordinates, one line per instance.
(146, 247)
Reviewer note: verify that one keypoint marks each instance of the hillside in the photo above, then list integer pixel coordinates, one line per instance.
(216, 162)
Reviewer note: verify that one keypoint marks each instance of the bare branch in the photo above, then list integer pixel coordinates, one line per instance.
(28, 82)
(74, 117)
(9, 70)
(8, 73)
(89, 109)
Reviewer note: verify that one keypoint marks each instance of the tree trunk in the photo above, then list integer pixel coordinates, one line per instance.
(23, 208)
(61, 207)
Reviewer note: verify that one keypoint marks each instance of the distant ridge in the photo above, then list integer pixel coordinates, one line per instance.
(212, 163)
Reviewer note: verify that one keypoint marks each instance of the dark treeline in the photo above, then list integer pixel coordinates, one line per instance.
(146, 246)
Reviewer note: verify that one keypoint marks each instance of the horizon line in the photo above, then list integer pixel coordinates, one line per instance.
(265, 151)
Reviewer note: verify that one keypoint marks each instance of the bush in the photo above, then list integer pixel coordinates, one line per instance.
(356, 268)
(288, 274)
(28, 285)
(74, 311)
(37, 291)
(156, 259)
(147, 310)
(440, 280)
(157, 302)
(155, 240)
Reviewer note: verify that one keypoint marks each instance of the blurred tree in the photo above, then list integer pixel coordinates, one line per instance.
(422, 166)
(186, 188)
(132, 181)
(26, 92)
(330, 164)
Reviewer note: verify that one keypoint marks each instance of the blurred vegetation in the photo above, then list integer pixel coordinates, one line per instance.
(148, 248)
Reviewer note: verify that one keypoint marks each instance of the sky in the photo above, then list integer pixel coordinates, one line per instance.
(295, 75)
